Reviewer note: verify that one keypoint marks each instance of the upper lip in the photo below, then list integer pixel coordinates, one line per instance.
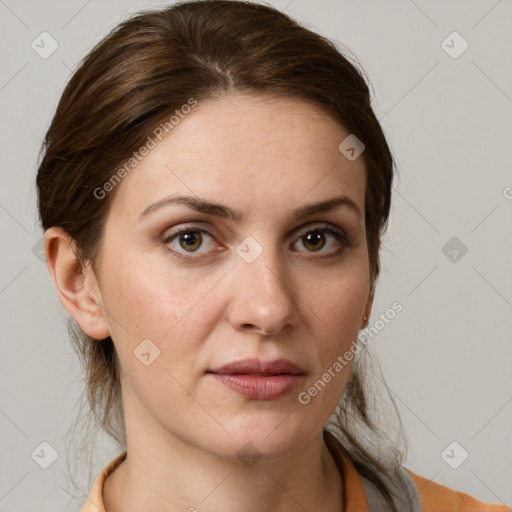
(255, 366)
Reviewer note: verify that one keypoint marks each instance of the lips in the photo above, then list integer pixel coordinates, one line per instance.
(259, 380)
(257, 367)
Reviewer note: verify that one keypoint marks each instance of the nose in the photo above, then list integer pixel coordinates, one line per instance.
(263, 296)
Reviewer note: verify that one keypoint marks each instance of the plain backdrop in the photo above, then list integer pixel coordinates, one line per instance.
(447, 112)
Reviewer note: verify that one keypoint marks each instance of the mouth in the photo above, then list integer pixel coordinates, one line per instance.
(258, 380)
(257, 367)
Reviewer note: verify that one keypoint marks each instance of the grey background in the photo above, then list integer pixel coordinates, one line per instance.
(446, 356)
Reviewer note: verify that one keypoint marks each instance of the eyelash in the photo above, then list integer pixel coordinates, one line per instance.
(340, 236)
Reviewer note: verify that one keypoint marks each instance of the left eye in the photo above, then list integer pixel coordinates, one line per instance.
(313, 240)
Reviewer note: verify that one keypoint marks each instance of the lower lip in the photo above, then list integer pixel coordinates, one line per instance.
(259, 387)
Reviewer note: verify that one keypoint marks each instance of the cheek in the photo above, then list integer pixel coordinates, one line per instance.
(147, 300)
(340, 304)
(148, 296)
(338, 313)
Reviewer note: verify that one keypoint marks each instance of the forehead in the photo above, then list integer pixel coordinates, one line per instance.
(254, 152)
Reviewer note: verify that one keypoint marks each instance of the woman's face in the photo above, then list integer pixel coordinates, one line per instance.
(266, 285)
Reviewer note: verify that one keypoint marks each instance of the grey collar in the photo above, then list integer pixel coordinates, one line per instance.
(407, 499)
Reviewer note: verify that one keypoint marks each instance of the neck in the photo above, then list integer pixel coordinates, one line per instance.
(174, 476)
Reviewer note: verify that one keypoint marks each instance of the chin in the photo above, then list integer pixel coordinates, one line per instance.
(267, 439)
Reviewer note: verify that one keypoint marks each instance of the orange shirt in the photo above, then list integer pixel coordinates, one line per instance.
(433, 497)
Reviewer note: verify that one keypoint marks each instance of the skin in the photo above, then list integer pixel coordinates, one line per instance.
(264, 156)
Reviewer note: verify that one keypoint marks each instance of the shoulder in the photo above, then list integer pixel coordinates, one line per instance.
(439, 498)
(95, 501)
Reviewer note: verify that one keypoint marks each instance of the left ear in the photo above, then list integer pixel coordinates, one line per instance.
(367, 311)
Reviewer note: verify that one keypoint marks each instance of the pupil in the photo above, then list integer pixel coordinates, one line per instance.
(313, 239)
(192, 240)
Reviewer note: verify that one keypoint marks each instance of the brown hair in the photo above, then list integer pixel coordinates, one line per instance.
(136, 78)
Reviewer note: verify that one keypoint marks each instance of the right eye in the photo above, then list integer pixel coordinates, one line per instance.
(188, 240)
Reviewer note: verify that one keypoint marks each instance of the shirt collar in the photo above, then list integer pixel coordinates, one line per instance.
(354, 498)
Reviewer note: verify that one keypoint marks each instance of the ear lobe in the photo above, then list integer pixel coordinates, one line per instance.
(71, 279)
(367, 312)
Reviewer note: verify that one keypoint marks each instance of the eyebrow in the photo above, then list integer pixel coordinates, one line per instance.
(219, 210)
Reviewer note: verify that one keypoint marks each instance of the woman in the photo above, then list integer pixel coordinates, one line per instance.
(213, 191)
